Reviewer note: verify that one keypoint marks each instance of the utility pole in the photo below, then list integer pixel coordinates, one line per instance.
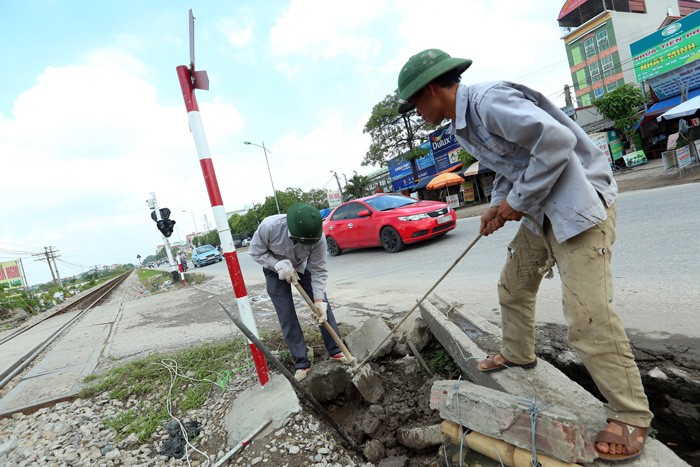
(340, 190)
(50, 256)
(206, 223)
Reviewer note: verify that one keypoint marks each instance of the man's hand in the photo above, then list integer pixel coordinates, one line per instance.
(490, 222)
(497, 216)
(507, 213)
(322, 308)
(285, 270)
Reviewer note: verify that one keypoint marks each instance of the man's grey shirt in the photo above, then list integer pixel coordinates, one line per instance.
(545, 163)
(271, 243)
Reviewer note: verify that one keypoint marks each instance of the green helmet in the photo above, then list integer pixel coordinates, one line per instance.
(421, 69)
(304, 223)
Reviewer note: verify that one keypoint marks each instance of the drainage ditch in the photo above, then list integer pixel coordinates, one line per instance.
(670, 371)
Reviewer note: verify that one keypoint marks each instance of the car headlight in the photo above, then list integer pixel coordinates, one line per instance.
(414, 217)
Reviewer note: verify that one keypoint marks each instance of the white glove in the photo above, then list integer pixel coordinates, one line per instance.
(285, 270)
(322, 308)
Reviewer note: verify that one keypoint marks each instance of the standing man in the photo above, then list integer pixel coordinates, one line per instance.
(545, 166)
(285, 244)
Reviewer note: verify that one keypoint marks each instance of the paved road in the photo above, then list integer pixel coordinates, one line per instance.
(655, 263)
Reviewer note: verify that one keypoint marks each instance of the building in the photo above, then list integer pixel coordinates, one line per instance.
(379, 181)
(597, 35)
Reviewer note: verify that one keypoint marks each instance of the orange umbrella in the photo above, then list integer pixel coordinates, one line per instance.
(443, 180)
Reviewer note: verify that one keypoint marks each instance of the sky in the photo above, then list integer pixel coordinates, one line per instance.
(92, 118)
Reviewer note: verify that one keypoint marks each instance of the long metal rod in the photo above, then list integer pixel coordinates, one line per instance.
(243, 443)
(459, 258)
(546, 271)
(300, 389)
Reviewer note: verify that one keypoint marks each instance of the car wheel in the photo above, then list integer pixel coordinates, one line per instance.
(332, 246)
(391, 240)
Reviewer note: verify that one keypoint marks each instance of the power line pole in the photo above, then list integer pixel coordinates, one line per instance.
(340, 190)
(50, 256)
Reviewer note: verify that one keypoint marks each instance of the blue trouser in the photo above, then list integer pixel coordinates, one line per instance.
(281, 294)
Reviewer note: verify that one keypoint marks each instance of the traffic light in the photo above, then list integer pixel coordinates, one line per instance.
(165, 226)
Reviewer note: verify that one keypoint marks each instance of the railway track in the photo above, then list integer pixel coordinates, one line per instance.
(21, 348)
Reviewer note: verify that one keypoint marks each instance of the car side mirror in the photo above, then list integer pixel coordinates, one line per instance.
(364, 213)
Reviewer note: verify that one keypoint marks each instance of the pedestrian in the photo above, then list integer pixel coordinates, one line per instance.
(289, 244)
(546, 166)
(182, 259)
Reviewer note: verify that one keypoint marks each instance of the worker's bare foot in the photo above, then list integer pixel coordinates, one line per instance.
(619, 441)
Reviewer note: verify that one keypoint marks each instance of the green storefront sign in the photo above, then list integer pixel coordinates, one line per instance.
(676, 45)
(615, 142)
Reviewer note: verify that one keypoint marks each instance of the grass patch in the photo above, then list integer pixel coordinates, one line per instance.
(195, 278)
(152, 279)
(440, 362)
(200, 371)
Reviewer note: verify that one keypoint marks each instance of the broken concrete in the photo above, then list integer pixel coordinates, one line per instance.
(502, 416)
(415, 330)
(364, 340)
(468, 338)
(326, 381)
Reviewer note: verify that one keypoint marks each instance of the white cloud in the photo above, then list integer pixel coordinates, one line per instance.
(239, 31)
(325, 29)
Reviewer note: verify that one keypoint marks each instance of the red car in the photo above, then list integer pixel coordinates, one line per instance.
(386, 220)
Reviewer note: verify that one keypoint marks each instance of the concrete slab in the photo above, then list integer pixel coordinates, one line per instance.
(59, 375)
(15, 348)
(503, 416)
(276, 401)
(545, 383)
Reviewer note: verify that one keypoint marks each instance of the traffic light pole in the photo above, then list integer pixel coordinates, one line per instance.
(153, 204)
(186, 75)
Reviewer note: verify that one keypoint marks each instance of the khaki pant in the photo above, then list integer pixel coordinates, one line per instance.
(595, 330)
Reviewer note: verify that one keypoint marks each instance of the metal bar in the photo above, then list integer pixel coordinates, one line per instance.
(300, 389)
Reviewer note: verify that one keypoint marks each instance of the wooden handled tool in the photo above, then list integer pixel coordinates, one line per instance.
(326, 325)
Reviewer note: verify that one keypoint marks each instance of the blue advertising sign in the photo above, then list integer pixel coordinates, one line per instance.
(427, 160)
(405, 183)
(445, 148)
(429, 171)
(399, 168)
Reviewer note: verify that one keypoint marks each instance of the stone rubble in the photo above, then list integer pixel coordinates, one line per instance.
(75, 434)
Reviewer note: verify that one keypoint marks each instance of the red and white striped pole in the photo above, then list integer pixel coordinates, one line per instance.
(217, 205)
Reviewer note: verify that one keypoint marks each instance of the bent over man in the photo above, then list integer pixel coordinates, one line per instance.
(548, 167)
(283, 245)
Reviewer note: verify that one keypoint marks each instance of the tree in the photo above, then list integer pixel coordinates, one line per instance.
(357, 186)
(247, 224)
(622, 105)
(393, 134)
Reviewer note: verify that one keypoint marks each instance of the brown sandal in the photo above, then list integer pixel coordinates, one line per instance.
(629, 438)
(490, 364)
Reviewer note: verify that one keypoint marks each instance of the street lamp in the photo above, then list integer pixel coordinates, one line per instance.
(193, 222)
(268, 171)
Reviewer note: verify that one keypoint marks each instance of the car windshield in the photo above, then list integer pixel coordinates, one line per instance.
(386, 203)
(204, 249)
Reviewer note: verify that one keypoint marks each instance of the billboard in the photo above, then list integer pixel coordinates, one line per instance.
(672, 47)
(445, 148)
(11, 274)
(334, 198)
